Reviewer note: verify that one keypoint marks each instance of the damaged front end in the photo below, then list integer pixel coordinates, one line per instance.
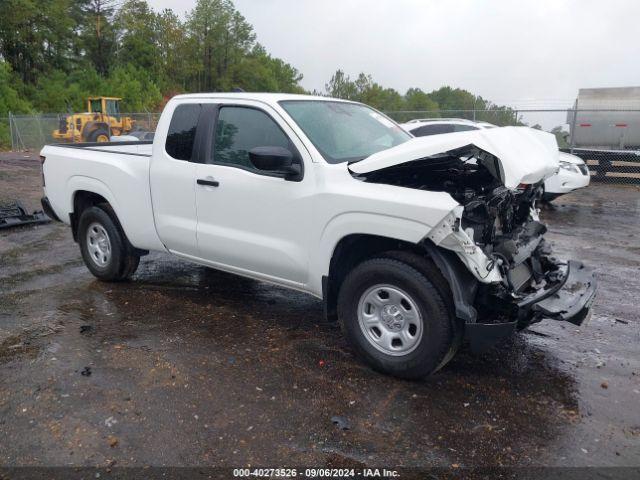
(511, 279)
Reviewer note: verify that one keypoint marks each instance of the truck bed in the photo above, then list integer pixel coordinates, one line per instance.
(142, 148)
(118, 171)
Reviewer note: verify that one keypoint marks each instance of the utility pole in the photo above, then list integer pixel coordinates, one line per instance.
(573, 126)
(11, 133)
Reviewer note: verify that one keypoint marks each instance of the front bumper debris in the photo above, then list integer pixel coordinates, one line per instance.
(14, 214)
(569, 299)
(573, 301)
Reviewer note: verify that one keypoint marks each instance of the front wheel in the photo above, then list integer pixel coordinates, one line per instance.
(100, 135)
(396, 318)
(105, 250)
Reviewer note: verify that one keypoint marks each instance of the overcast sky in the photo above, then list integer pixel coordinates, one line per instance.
(516, 52)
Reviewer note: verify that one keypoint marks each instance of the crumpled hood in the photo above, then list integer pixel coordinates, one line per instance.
(525, 155)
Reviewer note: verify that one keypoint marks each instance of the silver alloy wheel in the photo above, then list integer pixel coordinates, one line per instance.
(98, 244)
(390, 320)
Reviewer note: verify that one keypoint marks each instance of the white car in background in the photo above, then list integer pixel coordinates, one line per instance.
(572, 174)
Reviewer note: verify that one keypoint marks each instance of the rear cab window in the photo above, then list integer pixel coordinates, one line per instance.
(182, 131)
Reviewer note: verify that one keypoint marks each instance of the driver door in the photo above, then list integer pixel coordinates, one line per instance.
(253, 222)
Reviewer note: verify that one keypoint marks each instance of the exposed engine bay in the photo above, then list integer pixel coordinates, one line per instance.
(499, 218)
(490, 246)
(495, 231)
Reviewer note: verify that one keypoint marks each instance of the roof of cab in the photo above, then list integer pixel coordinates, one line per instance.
(259, 96)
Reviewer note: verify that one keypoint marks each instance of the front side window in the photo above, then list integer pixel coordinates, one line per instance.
(343, 131)
(182, 131)
(239, 129)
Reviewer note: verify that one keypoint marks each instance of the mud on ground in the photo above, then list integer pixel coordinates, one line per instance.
(184, 365)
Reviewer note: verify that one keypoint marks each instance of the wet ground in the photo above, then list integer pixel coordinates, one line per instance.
(188, 366)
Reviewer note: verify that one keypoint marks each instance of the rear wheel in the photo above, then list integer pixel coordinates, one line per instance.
(105, 250)
(396, 318)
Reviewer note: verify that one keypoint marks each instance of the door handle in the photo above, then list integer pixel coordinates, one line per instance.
(208, 183)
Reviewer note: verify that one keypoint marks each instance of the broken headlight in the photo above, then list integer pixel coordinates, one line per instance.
(569, 167)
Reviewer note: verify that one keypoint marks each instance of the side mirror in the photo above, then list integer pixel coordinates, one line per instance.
(276, 160)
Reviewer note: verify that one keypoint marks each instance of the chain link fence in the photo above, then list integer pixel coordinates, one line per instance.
(608, 140)
(32, 132)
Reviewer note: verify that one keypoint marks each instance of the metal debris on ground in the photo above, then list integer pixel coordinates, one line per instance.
(341, 422)
(14, 213)
(86, 329)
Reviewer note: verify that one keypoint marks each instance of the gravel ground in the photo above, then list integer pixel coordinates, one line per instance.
(187, 366)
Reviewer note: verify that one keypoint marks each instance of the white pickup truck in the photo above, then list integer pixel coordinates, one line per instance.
(413, 244)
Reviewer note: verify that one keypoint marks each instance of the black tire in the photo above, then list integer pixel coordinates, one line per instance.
(427, 289)
(121, 263)
(97, 134)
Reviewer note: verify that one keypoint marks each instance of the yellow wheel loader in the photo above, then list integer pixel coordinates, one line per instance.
(101, 121)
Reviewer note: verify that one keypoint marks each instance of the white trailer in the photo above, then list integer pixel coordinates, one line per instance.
(606, 119)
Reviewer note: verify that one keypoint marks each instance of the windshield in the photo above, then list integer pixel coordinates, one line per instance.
(344, 132)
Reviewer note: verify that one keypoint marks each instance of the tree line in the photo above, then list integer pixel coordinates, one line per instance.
(55, 53)
(445, 101)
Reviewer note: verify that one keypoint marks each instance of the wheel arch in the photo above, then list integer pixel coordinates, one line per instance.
(83, 199)
(87, 192)
(355, 248)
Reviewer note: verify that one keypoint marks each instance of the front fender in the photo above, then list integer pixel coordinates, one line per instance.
(362, 223)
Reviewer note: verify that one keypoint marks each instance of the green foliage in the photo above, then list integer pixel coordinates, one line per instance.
(341, 86)
(66, 50)
(417, 100)
(61, 92)
(260, 72)
(138, 36)
(136, 88)
(562, 136)
(173, 52)
(449, 98)
(446, 101)
(36, 36)
(363, 89)
(10, 101)
(221, 38)
(96, 33)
